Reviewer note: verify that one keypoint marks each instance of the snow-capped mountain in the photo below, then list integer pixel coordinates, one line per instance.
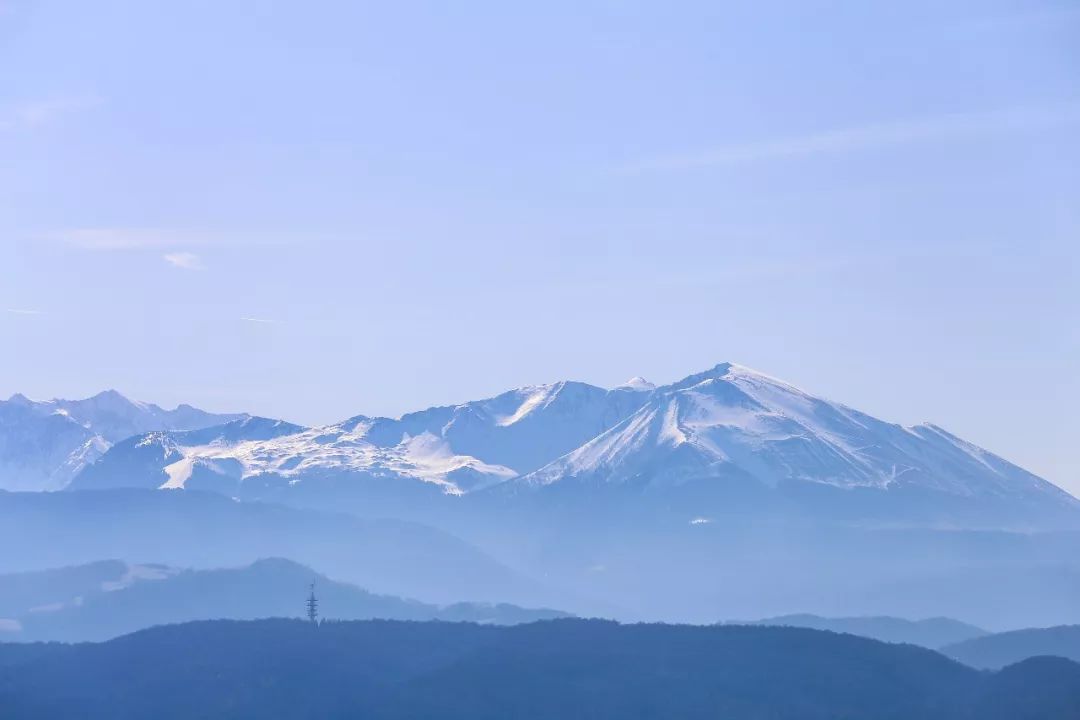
(167, 459)
(44, 444)
(456, 449)
(731, 424)
(726, 428)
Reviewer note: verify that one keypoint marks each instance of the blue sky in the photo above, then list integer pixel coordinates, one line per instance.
(313, 210)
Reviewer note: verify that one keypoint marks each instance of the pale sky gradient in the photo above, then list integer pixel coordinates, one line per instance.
(313, 210)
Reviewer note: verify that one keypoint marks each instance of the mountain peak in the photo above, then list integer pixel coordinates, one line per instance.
(637, 383)
(714, 373)
(111, 396)
(109, 393)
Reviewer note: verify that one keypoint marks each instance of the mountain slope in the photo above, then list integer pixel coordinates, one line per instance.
(566, 669)
(1039, 688)
(43, 452)
(44, 444)
(107, 599)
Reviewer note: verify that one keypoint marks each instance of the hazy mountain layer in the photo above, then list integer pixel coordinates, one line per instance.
(930, 633)
(993, 652)
(111, 598)
(206, 530)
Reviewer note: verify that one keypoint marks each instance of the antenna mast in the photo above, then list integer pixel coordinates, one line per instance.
(313, 606)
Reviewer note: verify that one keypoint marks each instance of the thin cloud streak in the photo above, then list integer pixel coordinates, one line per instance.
(121, 238)
(854, 139)
(261, 321)
(23, 311)
(184, 260)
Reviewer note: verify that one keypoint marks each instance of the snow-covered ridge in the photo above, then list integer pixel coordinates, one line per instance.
(458, 449)
(114, 417)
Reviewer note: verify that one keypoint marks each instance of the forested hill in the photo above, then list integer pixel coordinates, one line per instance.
(562, 668)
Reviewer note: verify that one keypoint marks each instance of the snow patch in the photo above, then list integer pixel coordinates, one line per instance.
(638, 384)
(534, 400)
(179, 473)
(136, 573)
(670, 432)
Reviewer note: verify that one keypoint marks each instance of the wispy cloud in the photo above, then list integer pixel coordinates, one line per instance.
(865, 137)
(34, 113)
(120, 239)
(184, 260)
(23, 311)
(261, 321)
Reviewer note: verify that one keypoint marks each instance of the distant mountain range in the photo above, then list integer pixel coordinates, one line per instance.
(105, 599)
(993, 652)
(723, 433)
(930, 633)
(970, 645)
(45, 444)
(557, 669)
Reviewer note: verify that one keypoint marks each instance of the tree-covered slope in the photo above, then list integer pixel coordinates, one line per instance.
(563, 668)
